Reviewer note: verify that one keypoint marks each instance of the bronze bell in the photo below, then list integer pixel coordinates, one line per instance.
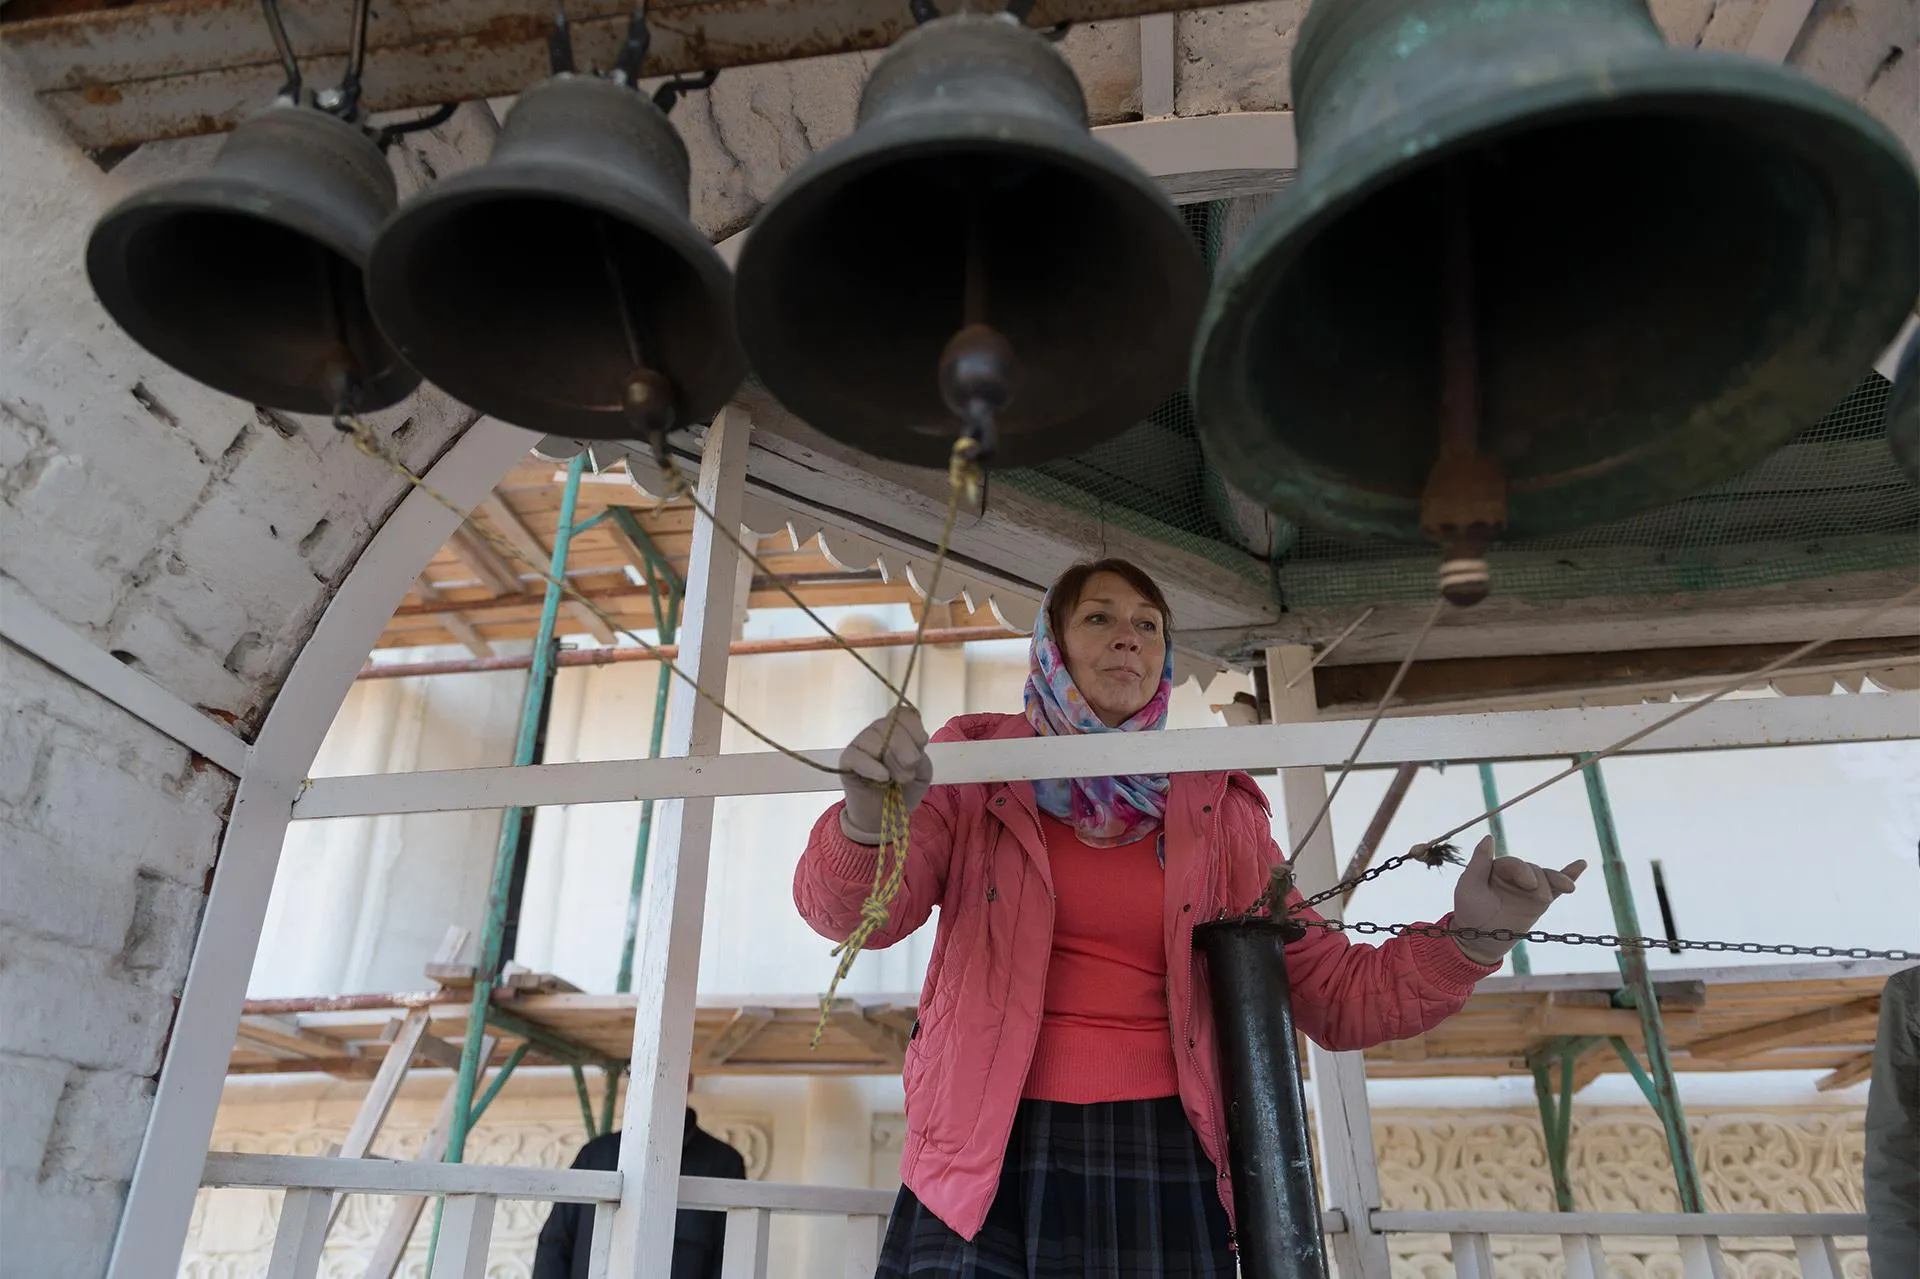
(1903, 409)
(561, 287)
(1541, 270)
(969, 259)
(248, 277)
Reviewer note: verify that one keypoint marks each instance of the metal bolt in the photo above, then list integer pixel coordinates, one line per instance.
(329, 99)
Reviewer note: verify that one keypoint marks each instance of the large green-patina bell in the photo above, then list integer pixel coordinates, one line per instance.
(1903, 409)
(1540, 271)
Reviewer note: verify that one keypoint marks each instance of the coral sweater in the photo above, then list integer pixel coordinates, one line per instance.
(1105, 1033)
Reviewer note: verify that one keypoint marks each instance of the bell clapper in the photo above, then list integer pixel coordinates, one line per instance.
(978, 373)
(978, 370)
(648, 404)
(1464, 505)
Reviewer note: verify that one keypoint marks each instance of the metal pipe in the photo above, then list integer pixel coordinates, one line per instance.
(586, 1104)
(515, 831)
(1275, 1199)
(523, 834)
(935, 637)
(487, 969)
(1490, 796)
(608, 1099)
(668, 625)
(350, 1003)
(498, 1082)
(1550, 1130)
(1639, 988)
(643, 542)
(625, 591)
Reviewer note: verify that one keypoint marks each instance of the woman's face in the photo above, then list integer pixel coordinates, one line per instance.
(1115, 644)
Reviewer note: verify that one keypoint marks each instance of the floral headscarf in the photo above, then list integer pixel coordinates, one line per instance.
(1105, 811)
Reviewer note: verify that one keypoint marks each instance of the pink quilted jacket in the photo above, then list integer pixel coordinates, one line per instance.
(979, 856)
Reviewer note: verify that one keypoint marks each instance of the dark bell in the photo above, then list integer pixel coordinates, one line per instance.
(248, 277)
(1678, 260)
(971, 193)
(545, 286)
(1903, 409)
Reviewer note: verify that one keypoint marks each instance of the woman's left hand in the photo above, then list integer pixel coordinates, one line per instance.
(1505, 892)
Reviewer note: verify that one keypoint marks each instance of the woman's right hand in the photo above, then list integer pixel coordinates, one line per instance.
(871, 761)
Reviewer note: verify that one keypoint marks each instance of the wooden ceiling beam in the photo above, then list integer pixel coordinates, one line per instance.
(454, 624)
(523, 539)
(486, 563)
(1822, 1024)
(1848, 1073)
(746, 1023)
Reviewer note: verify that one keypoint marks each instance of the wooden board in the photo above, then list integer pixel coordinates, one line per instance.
(1762, 1018)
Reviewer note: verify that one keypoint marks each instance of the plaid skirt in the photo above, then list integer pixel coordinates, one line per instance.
(1115, 1190)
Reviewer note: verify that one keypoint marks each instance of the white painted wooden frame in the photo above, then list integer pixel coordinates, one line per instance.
(153, 1227)
(1342, 1116)
(1545, 734)
(666, 967)
(30, 628)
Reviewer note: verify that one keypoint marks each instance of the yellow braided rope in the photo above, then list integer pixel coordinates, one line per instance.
(896, 832)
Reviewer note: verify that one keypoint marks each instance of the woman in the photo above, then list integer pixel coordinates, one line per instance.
(1064, 1112)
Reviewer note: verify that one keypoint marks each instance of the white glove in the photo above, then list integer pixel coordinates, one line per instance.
(871, 761)
(1504, 892)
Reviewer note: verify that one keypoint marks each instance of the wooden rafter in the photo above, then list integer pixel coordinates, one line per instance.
(739, 1032)
(522, 539)
(455, 623)
(1847, 1074)
(487, 564)
(1434, 686)
(1802, 1028)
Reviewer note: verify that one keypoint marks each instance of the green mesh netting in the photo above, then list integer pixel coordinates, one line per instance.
(1830, 502)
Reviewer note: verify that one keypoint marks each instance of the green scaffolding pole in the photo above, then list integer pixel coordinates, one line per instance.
(1490, 794)
(667, 623)
(1658, 1081)
(1556, 1114)
(506, 853)
(1556, 1118)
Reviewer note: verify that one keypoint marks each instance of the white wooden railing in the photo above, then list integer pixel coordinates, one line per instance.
(1581, 1233)
(473, 1190)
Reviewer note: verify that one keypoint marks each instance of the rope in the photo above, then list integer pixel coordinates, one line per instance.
(368, 444)
(1327, 652)
(1439, 849)
(1733, 685)
(678, 485)
(890, 866)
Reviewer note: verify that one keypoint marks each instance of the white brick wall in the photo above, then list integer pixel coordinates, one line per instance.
(197, 540)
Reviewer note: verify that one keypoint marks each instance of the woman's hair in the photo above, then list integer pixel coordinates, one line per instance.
(1068, 587)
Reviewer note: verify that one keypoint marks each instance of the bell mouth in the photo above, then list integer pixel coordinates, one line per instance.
(1669, 284)
(247, 305)
(529, 301)
(854, 281)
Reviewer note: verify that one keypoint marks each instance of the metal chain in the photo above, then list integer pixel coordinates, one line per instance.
(1609, 940)
(1429, 855)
